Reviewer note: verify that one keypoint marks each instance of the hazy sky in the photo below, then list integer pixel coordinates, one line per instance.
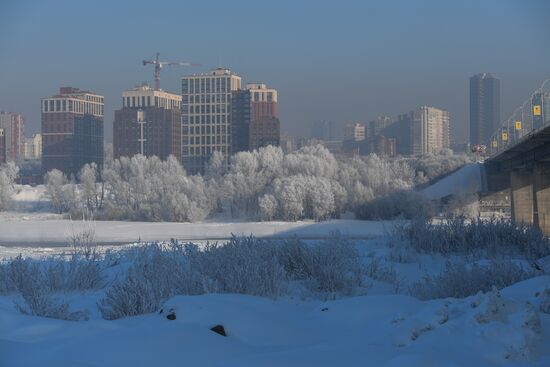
(344, 61)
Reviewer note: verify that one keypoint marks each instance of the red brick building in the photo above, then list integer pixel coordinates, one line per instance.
(148, 123)
(254, 121)
(72, 130)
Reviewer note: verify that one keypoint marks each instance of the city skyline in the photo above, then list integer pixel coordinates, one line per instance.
(310, 67)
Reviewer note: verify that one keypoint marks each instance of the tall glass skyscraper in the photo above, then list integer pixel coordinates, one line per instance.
(484, 108)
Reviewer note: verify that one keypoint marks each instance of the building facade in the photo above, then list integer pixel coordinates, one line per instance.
(3, 157)
(430, 130)
(354, 132)
(33, 147)
(484, 108)
(206, 116)
(325, 130)
(149, 123)
(14, 133)
(72, 130)
(254, 118)
(423, 130)
(377, 126)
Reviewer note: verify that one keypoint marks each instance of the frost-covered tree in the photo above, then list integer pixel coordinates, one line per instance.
(92, 188)
(8, 175)
(61, 191)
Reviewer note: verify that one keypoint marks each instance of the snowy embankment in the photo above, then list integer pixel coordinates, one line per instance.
(498, 328)
(466, 180)
(38, 237)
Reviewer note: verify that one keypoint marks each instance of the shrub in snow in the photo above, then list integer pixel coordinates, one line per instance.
(329, 267)
(545, 303)
(459, 280)
(376, 270)
(36, 298)
(405, 204)
(494, 238)
(244, 265)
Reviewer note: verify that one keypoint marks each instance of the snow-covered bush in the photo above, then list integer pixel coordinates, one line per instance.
(35, 282)
(460, 280)
(244, 265)
(330, 267)
(8, 174)
(494, 238)
(404, 204)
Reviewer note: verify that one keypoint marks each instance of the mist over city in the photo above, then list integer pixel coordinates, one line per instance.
(351, 183)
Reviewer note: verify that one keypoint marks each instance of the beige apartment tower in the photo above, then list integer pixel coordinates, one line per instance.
(206, 116)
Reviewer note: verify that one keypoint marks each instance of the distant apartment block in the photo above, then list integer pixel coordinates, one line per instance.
(72, 130)
(149, 123)
(14, 133)
(2, 146)
(484, 108)
(206, 116)
(354, 132)
(382, 145)
(377, 126)
(33, 147)
(254, 118)
(324, 130)
(430, 130)
(423, 130)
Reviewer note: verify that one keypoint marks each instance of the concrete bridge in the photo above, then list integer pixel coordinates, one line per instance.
(518, 167)
(524, 169)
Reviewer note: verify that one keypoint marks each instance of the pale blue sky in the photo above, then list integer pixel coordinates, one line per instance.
(344, 61)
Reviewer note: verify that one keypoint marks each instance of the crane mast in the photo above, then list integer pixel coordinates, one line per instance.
(160, 64)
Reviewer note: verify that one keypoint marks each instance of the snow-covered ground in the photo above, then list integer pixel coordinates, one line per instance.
(388, 330)
(49, 236)
(466, 180)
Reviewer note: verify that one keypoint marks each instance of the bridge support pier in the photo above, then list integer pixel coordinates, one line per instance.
(521, 182)
(542, 196)
(530, 189)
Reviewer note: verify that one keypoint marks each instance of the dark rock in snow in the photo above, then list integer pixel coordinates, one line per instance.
(219, 329)
(171, 315)
(324, 309)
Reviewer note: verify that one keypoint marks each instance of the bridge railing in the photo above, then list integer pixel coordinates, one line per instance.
(526, 120)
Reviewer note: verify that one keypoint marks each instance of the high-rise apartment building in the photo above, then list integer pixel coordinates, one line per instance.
(14, 133)
(377, 126)
(424, 130)
(72, 130)
(324, 130)
(33, 147)
(254, 118)
(354, 132)
(484, 108)
(2, 146)
(206, 116)
(149, 123)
